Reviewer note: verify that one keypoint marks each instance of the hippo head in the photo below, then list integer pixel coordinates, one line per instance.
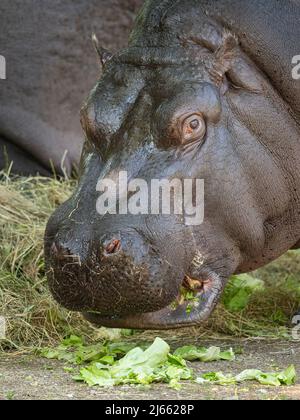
(185, 108)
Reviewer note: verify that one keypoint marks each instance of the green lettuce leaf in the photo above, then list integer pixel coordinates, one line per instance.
(110, 364)
(73, 350)
(239, 290)
(138, 366)
(202, 354)
(286, 377)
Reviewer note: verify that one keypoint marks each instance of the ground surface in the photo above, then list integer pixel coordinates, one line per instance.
(28, 377)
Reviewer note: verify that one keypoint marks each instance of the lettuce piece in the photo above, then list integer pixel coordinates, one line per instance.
(217, 377)
(239, 290)
(94, 375)
(136, 367)
(202, 354)
(73, 350)
(286, 377)
(155, 364)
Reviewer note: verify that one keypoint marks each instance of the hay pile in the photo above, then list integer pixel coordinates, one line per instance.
(34, 319)
(32, 315)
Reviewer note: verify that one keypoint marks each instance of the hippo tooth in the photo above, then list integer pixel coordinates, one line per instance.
(192, 284)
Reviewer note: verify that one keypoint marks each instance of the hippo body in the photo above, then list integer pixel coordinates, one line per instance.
(204, 91)
(51, 64)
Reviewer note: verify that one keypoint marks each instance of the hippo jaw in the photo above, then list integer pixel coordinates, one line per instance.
(178, 314)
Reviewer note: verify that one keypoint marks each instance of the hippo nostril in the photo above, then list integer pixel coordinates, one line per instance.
(113, 247)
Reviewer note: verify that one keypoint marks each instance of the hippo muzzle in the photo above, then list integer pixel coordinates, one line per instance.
(127, 277)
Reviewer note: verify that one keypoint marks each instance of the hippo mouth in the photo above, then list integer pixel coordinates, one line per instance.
(193, 305)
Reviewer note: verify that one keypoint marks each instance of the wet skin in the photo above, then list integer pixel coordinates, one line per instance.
(185, 100)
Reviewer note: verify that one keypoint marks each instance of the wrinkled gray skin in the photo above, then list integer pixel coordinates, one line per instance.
(51, 65)
(180, 62)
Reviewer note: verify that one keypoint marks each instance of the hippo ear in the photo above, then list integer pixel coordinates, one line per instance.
(224, 57)
(104, 54)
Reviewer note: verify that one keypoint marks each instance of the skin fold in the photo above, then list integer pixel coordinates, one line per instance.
(214, 65)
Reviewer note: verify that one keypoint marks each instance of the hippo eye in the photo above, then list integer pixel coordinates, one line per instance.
(193, 128)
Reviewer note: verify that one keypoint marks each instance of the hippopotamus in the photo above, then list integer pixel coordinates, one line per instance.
(203, 91)
(50, 65)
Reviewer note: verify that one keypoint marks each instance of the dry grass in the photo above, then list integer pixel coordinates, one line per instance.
(34, 319)
(32, 315)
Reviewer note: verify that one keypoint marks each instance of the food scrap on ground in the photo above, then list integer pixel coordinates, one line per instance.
(110, 364)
